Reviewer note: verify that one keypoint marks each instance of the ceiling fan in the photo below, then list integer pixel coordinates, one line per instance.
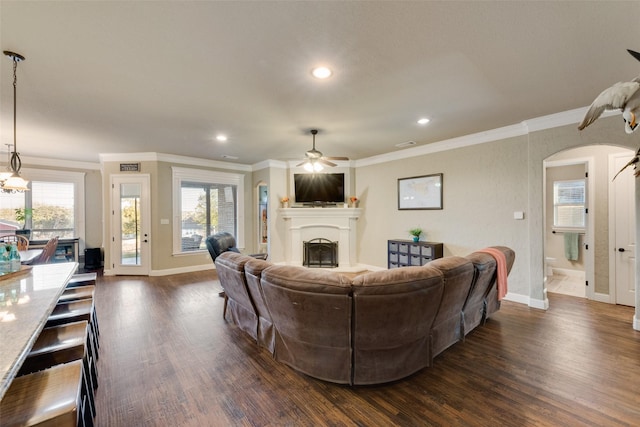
(314, 160)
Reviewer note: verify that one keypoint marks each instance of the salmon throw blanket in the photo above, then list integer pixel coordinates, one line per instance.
(501, 270)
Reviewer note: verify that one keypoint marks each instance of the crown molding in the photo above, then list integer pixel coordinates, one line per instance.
(58, 163)
(525, 127)
(172, 158)
(276, 164)
(448, 144)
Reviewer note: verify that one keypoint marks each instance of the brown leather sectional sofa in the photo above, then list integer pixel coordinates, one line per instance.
(377, 327)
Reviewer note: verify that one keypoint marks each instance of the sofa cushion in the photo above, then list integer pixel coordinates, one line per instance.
(253, 273)
(484, 277)
(458, 276)
(311, 312)
(230, 268)
(393, 314)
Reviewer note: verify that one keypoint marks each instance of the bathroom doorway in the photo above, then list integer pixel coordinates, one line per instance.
(578, 208)
(567, 234)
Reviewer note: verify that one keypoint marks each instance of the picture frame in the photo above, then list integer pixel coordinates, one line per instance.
(420, 192)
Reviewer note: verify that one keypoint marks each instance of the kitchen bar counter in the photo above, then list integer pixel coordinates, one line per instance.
(26, 301)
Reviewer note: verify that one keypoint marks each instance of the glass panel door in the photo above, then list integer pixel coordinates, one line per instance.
(130, 226)
(130, 232)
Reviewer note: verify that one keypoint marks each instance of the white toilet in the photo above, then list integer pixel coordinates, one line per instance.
(548, 266)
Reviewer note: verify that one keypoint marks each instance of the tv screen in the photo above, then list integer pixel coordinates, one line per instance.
(319, 187)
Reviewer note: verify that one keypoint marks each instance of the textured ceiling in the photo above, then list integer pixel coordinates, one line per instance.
(166, 77)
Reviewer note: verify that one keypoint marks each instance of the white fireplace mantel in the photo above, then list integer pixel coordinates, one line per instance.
(334, 224)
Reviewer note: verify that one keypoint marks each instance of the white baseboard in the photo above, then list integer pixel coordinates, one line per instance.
(636, 323)
(171, 271)
(181, 270)
(599, 297)
(527, 300)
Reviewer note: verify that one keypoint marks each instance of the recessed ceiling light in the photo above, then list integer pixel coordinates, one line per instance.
(221, 138)
(423, 121)
(321, 72)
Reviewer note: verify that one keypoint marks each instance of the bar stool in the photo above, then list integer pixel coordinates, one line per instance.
(79, 282)
(82, 279)
(77, 293)
(50, 397)
(64, 344)
(76, 311)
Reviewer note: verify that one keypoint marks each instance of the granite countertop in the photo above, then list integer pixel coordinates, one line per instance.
(26, 300)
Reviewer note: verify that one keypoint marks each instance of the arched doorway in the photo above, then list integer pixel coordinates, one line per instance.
(578, 257)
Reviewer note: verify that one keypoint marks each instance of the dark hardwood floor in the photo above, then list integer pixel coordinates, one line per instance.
(167, 358)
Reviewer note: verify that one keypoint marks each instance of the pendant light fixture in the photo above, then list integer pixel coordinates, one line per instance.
(14, 183)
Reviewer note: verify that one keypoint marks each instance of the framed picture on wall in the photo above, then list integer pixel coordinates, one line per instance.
(420, 192)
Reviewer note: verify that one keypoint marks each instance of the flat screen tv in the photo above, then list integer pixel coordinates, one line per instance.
(319, 188)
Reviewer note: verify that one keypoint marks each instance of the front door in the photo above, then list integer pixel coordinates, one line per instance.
(624, 231)
(130, 253)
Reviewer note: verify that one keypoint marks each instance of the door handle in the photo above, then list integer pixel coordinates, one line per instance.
(620, 249)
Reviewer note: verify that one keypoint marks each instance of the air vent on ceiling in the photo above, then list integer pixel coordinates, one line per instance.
(227, 156)
(406, 144)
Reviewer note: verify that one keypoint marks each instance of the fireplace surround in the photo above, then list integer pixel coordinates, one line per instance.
(337, 225)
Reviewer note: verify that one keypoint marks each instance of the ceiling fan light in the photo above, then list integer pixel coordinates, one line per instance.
(308, 167)
(317, 167)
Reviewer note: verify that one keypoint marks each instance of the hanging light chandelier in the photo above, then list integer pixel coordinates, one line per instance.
(14, 182)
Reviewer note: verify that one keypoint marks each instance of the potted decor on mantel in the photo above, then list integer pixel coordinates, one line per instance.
(416, 232)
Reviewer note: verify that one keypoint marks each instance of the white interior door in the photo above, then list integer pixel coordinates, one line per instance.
(131, 219)
(624, 232)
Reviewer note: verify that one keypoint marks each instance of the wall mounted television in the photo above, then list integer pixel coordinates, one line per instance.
(319, 188)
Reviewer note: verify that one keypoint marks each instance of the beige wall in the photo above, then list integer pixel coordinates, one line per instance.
(483, 186)
(162, 259)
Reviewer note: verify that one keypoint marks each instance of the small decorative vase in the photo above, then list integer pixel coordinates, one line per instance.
(416, 238)
(285, 204)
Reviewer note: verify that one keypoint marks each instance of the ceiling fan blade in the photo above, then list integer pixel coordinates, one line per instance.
(302, 164)
(326, 162)
(336, 158)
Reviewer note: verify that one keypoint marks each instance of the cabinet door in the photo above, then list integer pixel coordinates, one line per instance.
(415, 249)
(427, 251)
(417, 260)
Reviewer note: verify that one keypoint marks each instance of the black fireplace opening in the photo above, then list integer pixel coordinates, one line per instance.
(320, 253)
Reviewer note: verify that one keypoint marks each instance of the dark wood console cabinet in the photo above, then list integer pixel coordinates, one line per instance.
(405, 253)
(67, 250)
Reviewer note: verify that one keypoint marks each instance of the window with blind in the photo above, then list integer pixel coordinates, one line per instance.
(569, 204)
(205, 203)
(54, 206)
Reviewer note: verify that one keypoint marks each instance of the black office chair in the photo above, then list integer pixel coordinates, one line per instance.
(223, 242)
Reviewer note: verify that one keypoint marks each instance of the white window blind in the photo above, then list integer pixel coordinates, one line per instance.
(569, 204)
